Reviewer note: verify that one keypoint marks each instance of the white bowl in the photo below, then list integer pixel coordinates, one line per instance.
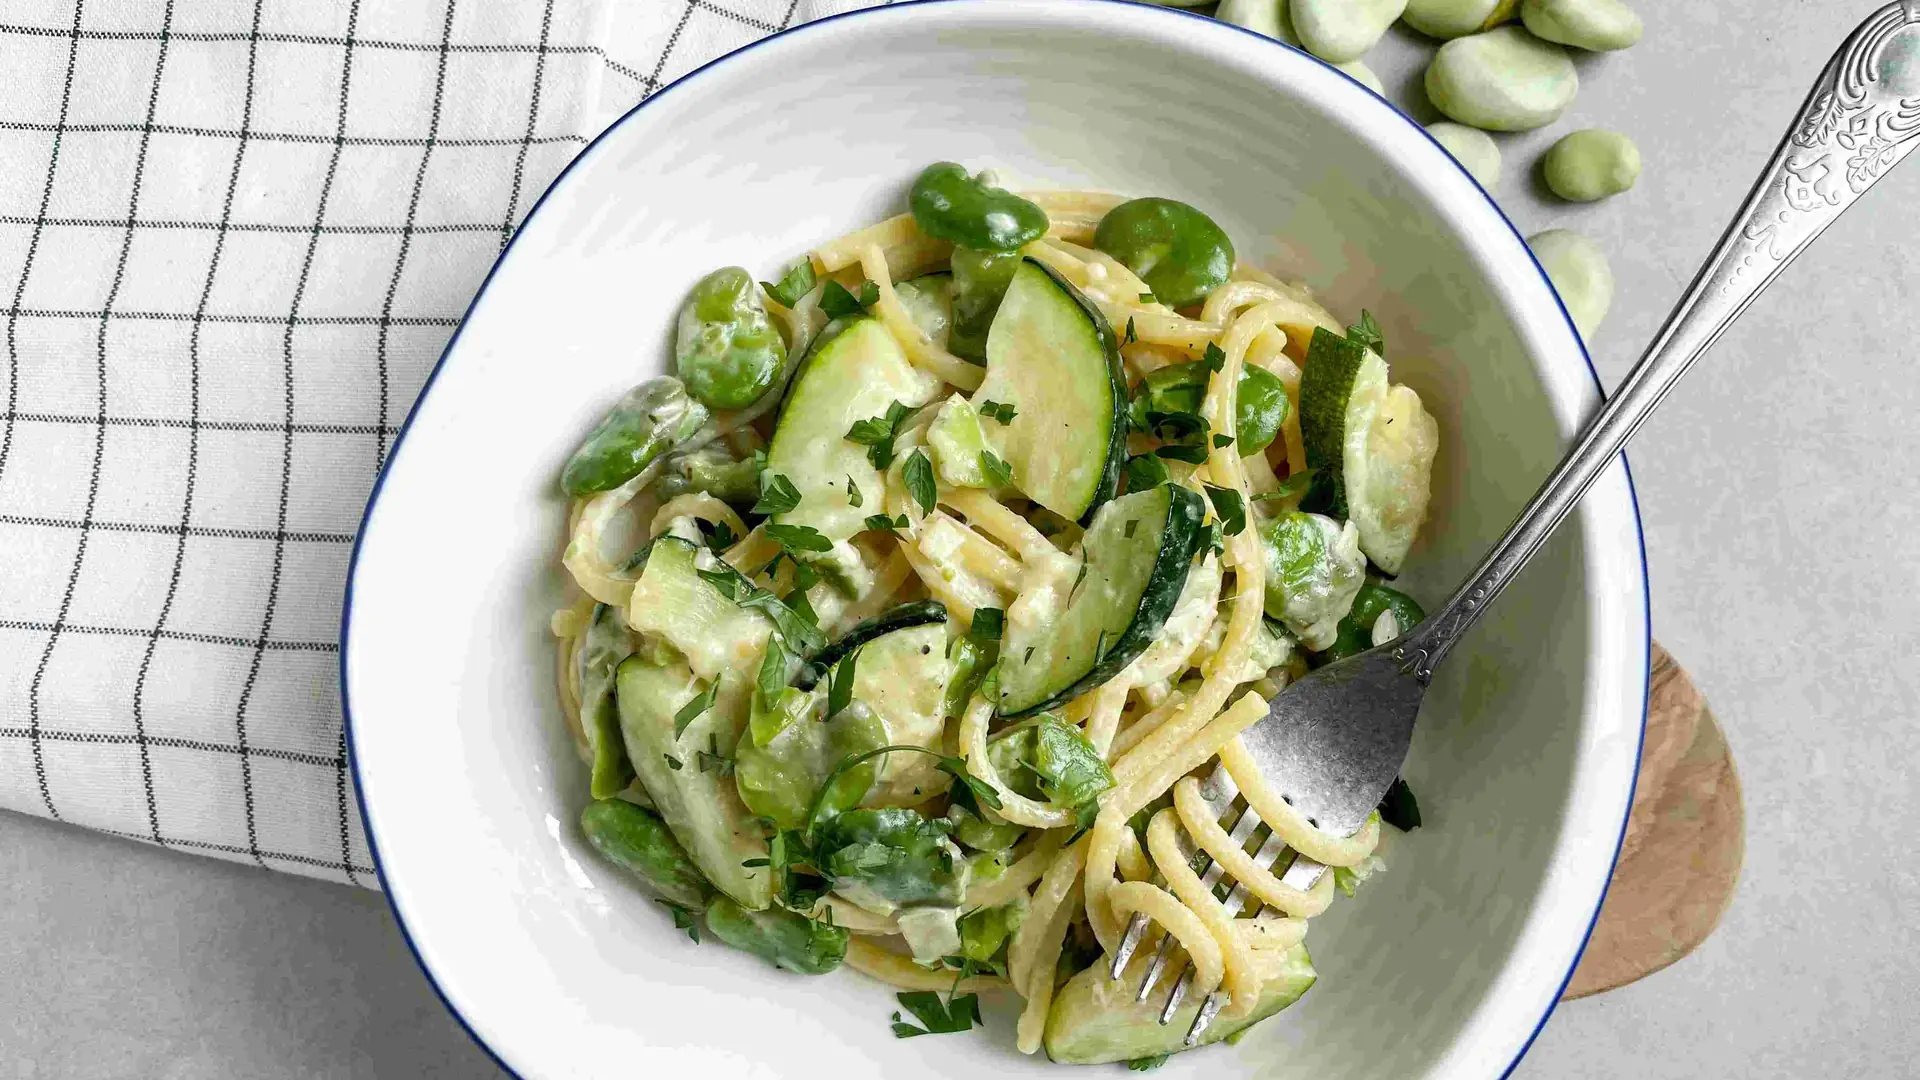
(1524, 761)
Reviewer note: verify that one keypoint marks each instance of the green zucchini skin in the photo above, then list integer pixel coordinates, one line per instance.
(1117, 375)
(899, 617)
(1181, 539)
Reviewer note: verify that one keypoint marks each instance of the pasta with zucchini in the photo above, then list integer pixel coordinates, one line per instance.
(917, 600)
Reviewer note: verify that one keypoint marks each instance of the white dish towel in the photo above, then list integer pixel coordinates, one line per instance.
(234, 236)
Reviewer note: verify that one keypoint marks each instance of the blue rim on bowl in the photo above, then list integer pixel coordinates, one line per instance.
(817, 26)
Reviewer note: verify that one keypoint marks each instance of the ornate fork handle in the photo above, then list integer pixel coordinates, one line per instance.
(1862, 117)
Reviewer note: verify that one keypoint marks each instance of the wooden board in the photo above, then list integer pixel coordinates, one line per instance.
(1680, 858)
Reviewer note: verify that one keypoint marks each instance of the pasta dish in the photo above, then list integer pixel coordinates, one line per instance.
(922, 607)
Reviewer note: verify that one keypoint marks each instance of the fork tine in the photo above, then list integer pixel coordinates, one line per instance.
(1154, 966)
(1136, 927)
(1217, 790)
(1269, 853)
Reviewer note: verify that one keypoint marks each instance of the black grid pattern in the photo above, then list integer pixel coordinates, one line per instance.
(234, 237)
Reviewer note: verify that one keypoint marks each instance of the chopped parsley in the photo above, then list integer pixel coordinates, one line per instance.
(1228, 508)
(885, 524)
(999, 473)
(854, 498)
(877, 433)
(1366, 334)
(691, 710)
(939, 1017)
(797, 537)
(682, 919)
(920, 484)
(997, 410)
(840, 688)
(777, 495)
(1213, 357)
(794, 284)
(837, 302)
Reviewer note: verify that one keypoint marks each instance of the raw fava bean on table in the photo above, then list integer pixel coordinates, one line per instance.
(1597, 25)
(1448, 19)
(1343, 30)
(1592, 164)
(1580, 274)
(1503, 80)
(1474, 149)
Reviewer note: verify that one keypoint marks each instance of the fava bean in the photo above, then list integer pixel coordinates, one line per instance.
(1357, 628)
(1598, 25)
(645, 423)
(1474, 149)
(1592, 164)
(1267, 17)
(1343, 30)
(950, 205)
(640, 841)
(1503, 80)
(1314, 570)
(980, 279)
(787, 939)
(713, 470)
(1580, 274)
(893, 853)
(1177, 250)
(1260, 404)
(1448, 19)
(726, 349)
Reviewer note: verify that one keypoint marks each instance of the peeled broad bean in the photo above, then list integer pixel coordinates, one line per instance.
(1343, 30)
(1474, 149)
(640, 841)
(948, 204)
(647, 422)
(787, 939)
(1448, 19)
(1267, 17)
(1364, 75)
(980, 279)
(1599, 25)
(1181, 253)
(725, 348)
(1592, 164)
(1580, 274)
(1503, 80)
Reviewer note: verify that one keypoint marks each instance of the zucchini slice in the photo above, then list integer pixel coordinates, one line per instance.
(1095, 1019)
(1136, 556)
(1371, 446)
(673, 602)
(853, 372)
(899, 617)
(1052, 356)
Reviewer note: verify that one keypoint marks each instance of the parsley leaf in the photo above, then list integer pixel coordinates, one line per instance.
(1145, 471)
(940, 1017)
(840, 688)
(1174, 426)
(720, 537)
(1145, 298)
(794, 284)
(691, 710)
(777, 495)
(876, 434)
(1399, 809)
(682, 919)
(1148, 1064)
(885, 524)
(837, 302)
(797, 537)
(920, 485)
(981, 791)
(998, 410)
(1222, 440)
(1213, 357)
(1228, 508)
(672, 762)
(999, 472)
(1131, 337)
(854, 498)
(711, 761)
(1366, 333)
(1192, 455)
(728, 582)
(1293, 485)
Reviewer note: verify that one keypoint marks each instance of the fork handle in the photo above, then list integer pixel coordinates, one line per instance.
(1861, 118)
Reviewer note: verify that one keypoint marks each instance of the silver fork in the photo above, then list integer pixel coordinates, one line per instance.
(1334, 741)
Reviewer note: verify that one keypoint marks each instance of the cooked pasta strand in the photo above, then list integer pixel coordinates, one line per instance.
(1242, 981)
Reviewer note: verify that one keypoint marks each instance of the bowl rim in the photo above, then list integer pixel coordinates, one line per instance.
(1156, 10)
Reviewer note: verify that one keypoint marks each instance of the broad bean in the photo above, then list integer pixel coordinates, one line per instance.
(640, 841)
(980, 279)
(1474, 149)
(893, 855)
(1356, 633)
(1503, 80)
(1341, 30)
(1580, 274)
(1592, 164)
(1597, 25)
(787, 939)
(950, 205)
(647, 421)
(1056, 760)
(1178, 251)
(1314, 570)
(1260, 404)
(1364, 75)
(1267, 17)
(714, 470)
(726, 348)
(984, 933)
(781, 779)
(1448, 19)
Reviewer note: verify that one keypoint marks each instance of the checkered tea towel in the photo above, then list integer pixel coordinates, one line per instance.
(234, 236)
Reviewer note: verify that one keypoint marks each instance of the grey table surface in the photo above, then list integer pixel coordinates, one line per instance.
(1783, 536)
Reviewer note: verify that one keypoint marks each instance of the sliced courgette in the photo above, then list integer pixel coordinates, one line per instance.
(853, 372)
(1052, 356)
(699, 804)
(929, 303)
(899, 617)
(1095, 1019)
(1135, 560)
(1371, 446)
(902, 678)
(673, 602)
(607, 642)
